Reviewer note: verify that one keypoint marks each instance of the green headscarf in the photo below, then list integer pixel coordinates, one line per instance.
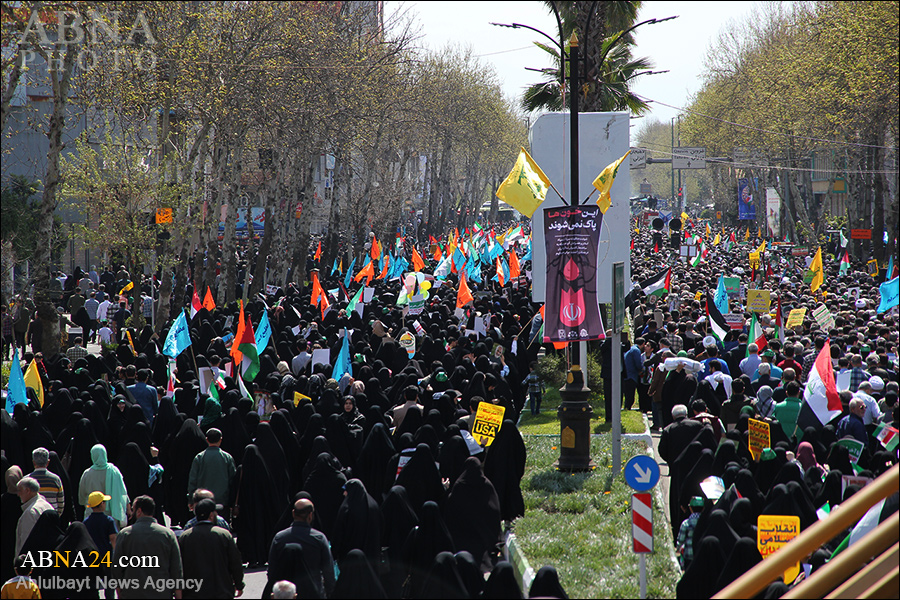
(212, 411)
(115, 484)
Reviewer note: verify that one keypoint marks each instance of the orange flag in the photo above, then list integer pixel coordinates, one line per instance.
(384, 271)
(236, 355)
(437, 253)
(463, 296)
(367, 271)
(325, 304)
(208, 302)
(500, 276)
(317, 290)
(514, 269)
(418, 263)
(318, 255)
(375, 253)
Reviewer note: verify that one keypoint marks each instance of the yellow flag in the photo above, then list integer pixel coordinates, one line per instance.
(127, 287)
(759, 231)
(526, 185)
(762, 248)
(708, 230)
(33, 380)
(747, 235)
(604, 182)
(717, 240)
(818, 272)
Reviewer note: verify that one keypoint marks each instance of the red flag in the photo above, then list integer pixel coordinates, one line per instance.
(375, 253)
(656, 247)
(514, 269)
(236, 355)
(208, 302)
(195, 304)
(317, 290)
(464, 295)
(318, 255)
(418, 263)
(367, 271)
(632, 243)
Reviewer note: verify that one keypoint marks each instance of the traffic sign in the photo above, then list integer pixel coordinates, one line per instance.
(689, 158)
(641, 473)
(638, 158)
(642, 523)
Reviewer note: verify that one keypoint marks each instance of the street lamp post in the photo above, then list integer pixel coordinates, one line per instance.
(575, 412)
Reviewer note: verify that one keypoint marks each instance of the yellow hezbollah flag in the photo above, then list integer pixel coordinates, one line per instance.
(708, 230)
(747, 235)
(526, 185)
(818, 273)
(717, 240)
(127, 287)
(33, 380)
(762, 248)
(684, 218)
(604, 182)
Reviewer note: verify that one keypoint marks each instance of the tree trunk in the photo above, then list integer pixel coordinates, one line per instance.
(60, 72)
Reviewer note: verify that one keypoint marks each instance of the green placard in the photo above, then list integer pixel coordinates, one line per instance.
(732, 285)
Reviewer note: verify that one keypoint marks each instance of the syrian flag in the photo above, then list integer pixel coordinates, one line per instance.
(887, 435)
(659, 284)
(821, 402)
(845, 263)
(717, 325)
(757, 335)
(250, 355)
(195, 304)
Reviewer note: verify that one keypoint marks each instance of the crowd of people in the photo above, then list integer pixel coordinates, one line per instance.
(368, 482)
(703, 390)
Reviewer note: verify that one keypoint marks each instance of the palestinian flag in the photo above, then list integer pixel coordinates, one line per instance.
(779, 320)
(659, 284)
(250, 356)
(717, 325)
(845, 263)
(756, 336)
(887, 435)
(195, 304)
(821, 402)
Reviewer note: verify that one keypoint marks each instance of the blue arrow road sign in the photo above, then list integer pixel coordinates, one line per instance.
(642, 473)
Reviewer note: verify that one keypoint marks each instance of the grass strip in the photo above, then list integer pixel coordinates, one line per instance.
(581, 524)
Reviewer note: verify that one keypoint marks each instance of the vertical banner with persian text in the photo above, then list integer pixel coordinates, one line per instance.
(572, 311)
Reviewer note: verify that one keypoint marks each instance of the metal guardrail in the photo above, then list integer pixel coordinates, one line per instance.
(848, 574)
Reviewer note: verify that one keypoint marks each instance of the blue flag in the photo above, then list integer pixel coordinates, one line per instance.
(263, 333)
(334, 267)
(15, 391)
(721, 297)
(342, 364)
(527, 252)
(349, 276)
(890, 293)
(179, 337)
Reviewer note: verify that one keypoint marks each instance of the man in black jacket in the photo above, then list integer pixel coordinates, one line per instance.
(210, 554)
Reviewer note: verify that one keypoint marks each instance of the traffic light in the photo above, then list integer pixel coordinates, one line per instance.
(680, 193)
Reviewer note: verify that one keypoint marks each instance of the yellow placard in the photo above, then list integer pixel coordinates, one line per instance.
(795, 318)
(298, 397)
(773, 532)
(487, 423)
(754, 260)
(759, 301)
(760, 437)
(163, 215)
(698, 296)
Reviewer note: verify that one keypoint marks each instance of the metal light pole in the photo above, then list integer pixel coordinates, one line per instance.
(575, 412)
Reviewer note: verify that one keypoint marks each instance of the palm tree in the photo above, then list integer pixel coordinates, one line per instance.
(608, 66)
